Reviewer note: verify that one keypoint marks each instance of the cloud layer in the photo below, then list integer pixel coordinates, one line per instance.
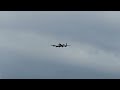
(26, 37)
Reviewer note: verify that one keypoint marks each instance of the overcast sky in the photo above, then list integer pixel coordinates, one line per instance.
(26, 36)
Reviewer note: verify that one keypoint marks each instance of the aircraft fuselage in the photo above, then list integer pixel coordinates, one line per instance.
(60, 45)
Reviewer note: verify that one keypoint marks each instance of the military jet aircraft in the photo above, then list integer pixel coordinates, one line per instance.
(60, 45)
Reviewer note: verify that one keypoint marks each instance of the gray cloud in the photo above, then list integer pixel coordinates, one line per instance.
(26, 37)
(100, 29)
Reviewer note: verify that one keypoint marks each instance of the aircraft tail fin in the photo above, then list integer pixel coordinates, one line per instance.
(66, 45)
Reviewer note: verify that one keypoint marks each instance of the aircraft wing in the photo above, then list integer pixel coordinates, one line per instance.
(61, 45)
(53, 45)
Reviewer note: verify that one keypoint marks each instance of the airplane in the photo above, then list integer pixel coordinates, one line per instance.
(60, 45)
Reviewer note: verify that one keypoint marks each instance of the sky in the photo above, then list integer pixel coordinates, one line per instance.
(26, 38)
